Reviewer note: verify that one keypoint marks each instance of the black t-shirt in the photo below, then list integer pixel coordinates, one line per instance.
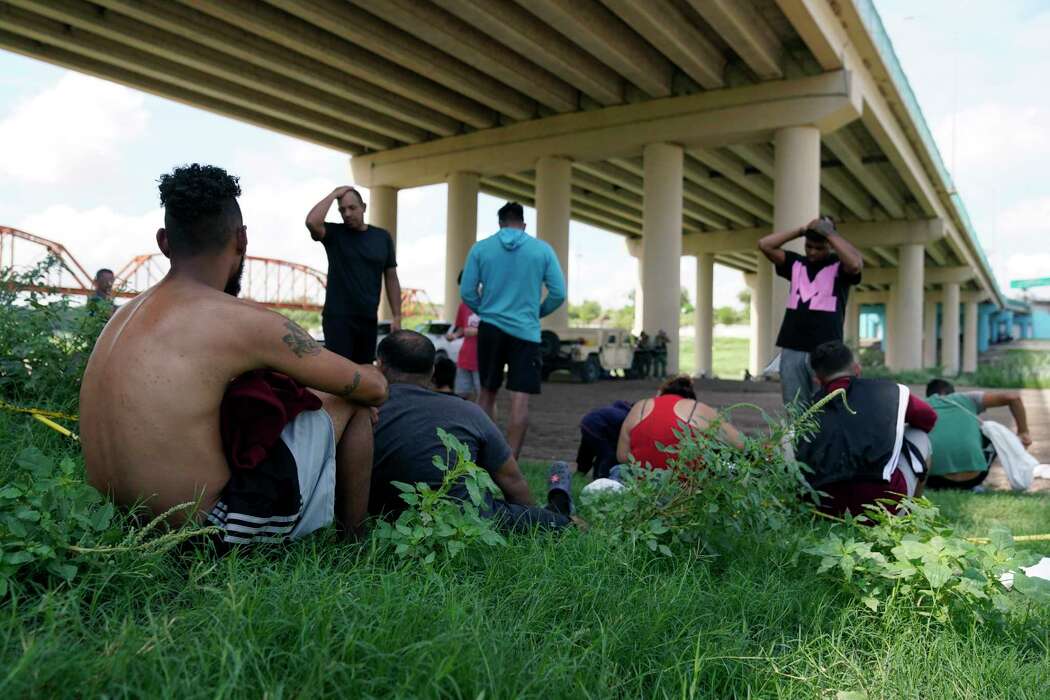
(816, 303)
(406, 442)
(356, 263)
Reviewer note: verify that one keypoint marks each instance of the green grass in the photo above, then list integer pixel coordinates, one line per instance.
(549, 617)
(729, 359)
(1013, 369)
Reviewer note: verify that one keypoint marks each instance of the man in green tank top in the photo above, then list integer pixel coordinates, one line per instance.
(960, 459)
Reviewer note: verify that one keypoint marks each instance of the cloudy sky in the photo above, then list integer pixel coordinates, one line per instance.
(79, 157)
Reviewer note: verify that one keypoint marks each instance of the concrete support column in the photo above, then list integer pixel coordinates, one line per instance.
(754, 362)
(796, 200)
(910, 269)
(461, 231)
(929, 334)
(763, 335)
(553, 191)
(705, 314)
(984, 327)
(889, 330)
(662, 244)
(382, 212)
(950, 330)
(970, 323)
(851, 333)
(639, 295)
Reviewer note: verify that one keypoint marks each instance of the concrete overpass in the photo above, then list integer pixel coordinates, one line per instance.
(690, 127)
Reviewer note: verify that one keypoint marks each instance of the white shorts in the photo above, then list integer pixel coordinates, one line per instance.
(288, 495)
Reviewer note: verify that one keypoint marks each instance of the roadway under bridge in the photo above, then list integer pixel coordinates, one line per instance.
(689, 127)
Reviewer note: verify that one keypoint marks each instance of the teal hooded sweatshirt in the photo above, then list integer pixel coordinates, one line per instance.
(504, 278)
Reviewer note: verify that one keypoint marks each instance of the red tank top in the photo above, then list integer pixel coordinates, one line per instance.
(657, 427)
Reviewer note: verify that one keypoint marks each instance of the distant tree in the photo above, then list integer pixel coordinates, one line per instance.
(728, 316)
(744, 297)
(685, 303)
(622, 317)
(585, 313)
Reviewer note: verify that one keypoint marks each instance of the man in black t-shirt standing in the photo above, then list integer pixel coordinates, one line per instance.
(360, 258)
(816, 303)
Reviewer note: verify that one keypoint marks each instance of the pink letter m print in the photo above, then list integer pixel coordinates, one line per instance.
(820, 292)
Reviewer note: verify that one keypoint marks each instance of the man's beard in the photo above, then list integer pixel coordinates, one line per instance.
(233, 285)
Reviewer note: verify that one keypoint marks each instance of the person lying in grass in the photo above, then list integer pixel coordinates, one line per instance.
(962, 455)
(151, 427)
(406, 442)
(876, 448)
(650, 426)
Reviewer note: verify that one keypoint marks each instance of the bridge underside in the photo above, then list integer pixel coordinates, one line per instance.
(687, 126)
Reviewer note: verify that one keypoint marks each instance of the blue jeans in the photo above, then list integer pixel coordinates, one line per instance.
(796, 377)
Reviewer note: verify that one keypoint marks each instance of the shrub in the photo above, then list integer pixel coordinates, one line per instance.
(436, 525)
(45, 508)
(712, 494)
(45, 341)
(914, 559)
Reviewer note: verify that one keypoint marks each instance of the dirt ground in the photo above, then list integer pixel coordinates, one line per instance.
(555, 414)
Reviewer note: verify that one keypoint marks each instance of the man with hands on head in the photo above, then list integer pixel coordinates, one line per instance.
(361, 257)
(816, 303)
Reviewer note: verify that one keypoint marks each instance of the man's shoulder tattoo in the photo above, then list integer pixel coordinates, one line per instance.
(299, 341)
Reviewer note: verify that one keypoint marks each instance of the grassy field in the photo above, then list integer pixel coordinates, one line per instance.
(729, 359)
(551, 617)
(1008, 369)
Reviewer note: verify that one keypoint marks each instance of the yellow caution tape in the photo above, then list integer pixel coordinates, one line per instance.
(38, 411)
(45, 417)
(55, 426)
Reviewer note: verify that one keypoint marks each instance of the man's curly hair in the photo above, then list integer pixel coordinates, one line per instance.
(200, 208)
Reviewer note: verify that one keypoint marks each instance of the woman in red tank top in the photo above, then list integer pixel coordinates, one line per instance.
(654, 422)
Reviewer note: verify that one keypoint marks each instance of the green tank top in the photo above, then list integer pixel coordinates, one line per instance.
(956, 439)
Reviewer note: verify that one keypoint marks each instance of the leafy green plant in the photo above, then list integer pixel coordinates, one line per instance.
(913, 558)
(45, 508)
(45, 340)
(437, 525)
(712, 493)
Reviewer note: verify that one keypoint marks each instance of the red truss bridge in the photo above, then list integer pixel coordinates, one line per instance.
(278, 284)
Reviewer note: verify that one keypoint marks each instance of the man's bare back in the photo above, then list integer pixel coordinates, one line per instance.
(150, 397)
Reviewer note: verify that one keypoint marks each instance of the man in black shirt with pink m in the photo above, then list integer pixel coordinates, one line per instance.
(816, 303)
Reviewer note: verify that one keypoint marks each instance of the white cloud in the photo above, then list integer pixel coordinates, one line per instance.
(77, 125)
(993, 138)
(1028, 220)
(98, 237)
(1013, 250)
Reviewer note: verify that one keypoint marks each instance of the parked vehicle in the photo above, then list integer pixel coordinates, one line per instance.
(436, 330)
(588, 353)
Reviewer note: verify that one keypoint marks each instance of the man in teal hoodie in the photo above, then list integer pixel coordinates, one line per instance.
(503, 284)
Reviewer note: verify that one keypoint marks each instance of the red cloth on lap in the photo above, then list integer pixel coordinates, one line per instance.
(255, 408)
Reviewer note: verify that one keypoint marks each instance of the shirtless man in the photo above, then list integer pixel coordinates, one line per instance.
(151, 394)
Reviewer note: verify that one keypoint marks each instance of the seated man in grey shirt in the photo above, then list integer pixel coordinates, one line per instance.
(406, 442)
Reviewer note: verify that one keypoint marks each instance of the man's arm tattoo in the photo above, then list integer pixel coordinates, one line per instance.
(352, 386)
(299, 341)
